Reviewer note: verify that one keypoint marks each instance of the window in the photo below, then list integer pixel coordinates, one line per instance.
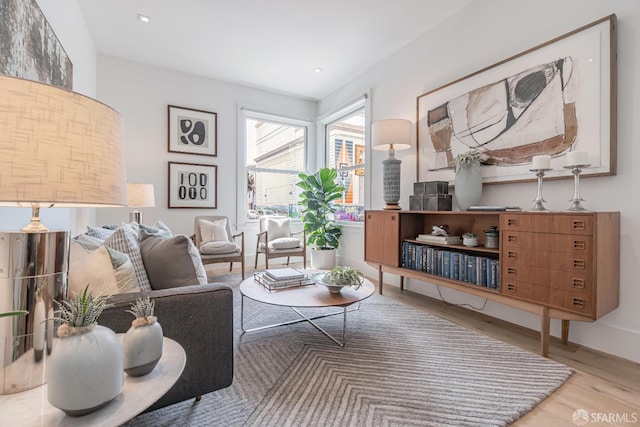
(345, 145)
(275, 153)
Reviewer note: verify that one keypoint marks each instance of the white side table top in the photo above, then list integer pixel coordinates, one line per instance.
(31, 407)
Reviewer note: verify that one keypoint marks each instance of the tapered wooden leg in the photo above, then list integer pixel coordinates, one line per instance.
(402, 283)
(380, 278)
(545, 324)
(565, 331)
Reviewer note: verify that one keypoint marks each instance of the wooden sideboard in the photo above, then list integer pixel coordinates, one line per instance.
(560, 265)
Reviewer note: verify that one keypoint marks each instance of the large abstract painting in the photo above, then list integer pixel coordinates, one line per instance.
(28, 46)
(551, 99)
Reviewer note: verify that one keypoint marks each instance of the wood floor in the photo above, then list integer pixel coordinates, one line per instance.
(606, 386)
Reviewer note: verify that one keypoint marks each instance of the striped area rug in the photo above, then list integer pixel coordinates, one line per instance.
(400, 367)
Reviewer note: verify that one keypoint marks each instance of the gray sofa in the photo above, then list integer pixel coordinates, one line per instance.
(200, 319)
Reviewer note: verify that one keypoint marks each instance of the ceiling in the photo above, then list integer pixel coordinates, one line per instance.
(270, 44)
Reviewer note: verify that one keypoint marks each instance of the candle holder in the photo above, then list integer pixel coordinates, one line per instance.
(538, 206)
(576, 199)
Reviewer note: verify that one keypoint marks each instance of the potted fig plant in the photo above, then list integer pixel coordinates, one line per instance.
(143, 341)
(319, 193)
(85, 371)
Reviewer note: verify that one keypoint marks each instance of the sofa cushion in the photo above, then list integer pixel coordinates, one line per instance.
(278, 227)
(172, 262)
(214, 231)
(218, 248)
(126, 239)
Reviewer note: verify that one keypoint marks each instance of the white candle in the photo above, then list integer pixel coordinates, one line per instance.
(541, 162)
(577, 158)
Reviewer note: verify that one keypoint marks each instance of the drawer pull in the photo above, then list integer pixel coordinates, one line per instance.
(393, 217)
(579, 244)
(512, 239)
(579, 264)
(511, 255)
(511, 287)
(577, 302)
(577, 283)
(578, 224)
(512, 222)
(511, 270)
(369, 216)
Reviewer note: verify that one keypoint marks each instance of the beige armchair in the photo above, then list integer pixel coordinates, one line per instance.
(216, 242)
(276, 240)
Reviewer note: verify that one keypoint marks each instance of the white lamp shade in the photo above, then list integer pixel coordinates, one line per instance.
(58, 147)
(396, 132)
(140, 195)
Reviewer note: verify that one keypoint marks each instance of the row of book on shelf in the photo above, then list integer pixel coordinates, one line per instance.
(281, 278)
(473, 269)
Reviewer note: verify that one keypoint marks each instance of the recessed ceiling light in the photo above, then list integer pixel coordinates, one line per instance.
(143, 18)
(318, 70)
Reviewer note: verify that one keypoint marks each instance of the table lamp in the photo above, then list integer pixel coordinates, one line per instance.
(139, 196)
(391, 134)
(57, 148)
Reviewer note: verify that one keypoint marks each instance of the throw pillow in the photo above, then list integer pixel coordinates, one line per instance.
(218, 248)
(284, 243)
(90, 267)
(214, 231)
(99, 232)
(126, 278)
(156, 231)
(278, 227)
(125, 239)
(172, 262)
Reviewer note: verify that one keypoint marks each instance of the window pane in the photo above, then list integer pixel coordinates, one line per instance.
(272, 193)
(345, 152)
(275, 145)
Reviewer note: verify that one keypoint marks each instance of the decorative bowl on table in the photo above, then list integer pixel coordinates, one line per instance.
(339, 278)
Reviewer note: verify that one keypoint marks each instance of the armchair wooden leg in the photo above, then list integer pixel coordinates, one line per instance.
(231, 266)
(197, 399)
(255, 266)
(288, 260)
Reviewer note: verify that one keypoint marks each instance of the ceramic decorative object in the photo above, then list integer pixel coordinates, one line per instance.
(85, 370)
(469, 239)
(341, 277)
(323, 259)
(468, 182)
(143, 341)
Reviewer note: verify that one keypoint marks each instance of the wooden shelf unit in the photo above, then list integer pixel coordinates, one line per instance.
(561, 265)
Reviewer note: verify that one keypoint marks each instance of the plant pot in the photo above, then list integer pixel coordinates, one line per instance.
(468, 189)
(323, 259)
(142, 347)
(470, 241)
(85, 371)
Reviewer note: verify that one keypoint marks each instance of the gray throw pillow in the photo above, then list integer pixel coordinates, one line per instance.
(170, 262)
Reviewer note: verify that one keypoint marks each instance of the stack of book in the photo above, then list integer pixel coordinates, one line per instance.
(445, 240)
(280, 278)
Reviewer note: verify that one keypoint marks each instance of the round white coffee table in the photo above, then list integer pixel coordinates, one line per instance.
(308, 296)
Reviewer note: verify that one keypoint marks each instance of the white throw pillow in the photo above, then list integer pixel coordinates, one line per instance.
(218, 248)
(278, 227)
(214, 231)
(126, 278)
(90, 267)
(284, 243)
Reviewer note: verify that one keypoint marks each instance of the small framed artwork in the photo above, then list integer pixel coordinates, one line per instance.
(193, 131)
(193, 185)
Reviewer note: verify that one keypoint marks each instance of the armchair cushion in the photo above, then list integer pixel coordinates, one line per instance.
(172, 262)
(218, 248)
(214, 231)
(284, 243)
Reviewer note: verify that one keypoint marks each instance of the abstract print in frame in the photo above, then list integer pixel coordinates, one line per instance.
(551, 99)
(193, 185)
(29, 48)
(193, 131)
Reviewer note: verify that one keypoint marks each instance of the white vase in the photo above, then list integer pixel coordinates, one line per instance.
(468, 189)
(142, 349)
(323, 259)
(85, 371)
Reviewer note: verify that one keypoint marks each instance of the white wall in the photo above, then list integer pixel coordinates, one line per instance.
(142, 93)
(483, 34)
(69, 26)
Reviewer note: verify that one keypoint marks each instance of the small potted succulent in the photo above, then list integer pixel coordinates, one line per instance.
(143, 341)
(470, 239)
(341, 277)
(85, 368)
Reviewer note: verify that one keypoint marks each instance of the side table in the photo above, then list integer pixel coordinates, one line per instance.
(31, 407)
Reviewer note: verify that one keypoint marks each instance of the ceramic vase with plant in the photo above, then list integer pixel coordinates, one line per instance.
(469, 239)
(319, 193)
(85, 371)
(468, 182)
(143, 341)
(341, 277)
